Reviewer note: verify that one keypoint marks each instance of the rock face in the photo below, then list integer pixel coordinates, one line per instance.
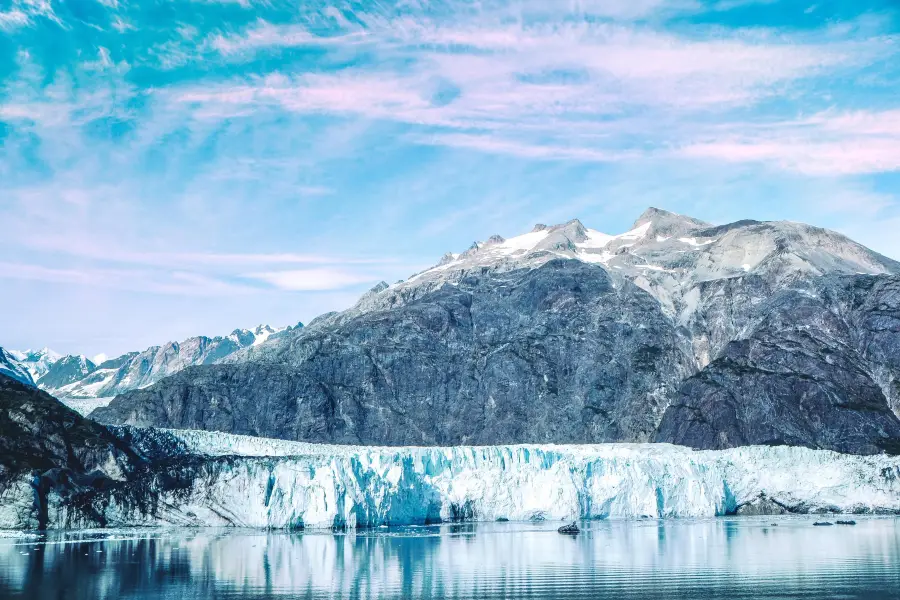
(595, 358)
(676, 331)
(47, 449)
(820, 367)
(65, 371)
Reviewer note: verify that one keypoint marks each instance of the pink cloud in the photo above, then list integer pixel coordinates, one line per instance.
(826, 144)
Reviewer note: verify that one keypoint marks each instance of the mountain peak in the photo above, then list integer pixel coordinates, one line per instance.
(664, 222)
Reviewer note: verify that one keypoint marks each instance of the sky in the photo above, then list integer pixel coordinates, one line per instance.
(175, 168)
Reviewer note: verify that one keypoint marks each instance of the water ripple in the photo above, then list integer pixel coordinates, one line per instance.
(722, 558)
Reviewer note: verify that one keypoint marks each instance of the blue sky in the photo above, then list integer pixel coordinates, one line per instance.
(172, 168)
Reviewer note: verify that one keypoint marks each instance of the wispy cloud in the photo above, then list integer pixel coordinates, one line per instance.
(255, 150)
(266, 35)
(171, 283)
(829, 143)
(13, 19)
(313, 279)
(568, 80)
(496, 145)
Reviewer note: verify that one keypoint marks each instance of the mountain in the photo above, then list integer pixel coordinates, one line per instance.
(65, 371)
(36, 362)
(48, 450)
(11, 367)
(60, 470)
(674, 331)
(82, 384)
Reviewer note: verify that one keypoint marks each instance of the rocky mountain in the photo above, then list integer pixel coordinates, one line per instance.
(36, 362)
(677, 330)
(65, 371)
(48, 450)
(82, 384)
(11, 367)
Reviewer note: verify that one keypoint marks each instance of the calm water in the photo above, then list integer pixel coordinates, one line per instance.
(724, 558)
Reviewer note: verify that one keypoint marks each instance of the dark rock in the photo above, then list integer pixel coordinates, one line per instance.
(570, 529)
(846, 522)
(762, 506)
(810, 373)
(57, 449)
(594, 360)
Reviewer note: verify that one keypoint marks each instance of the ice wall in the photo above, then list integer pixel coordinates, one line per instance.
(255, 482)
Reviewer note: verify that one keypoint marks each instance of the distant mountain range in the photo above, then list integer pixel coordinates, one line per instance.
(75, 378)
(674, 331)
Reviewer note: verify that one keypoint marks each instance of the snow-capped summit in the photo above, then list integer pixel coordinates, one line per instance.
(658, 241)
(665, 223)
(667, 254)
(65, 371)
(85, 384)
(11, 367)
(263, 332)
(36, 362)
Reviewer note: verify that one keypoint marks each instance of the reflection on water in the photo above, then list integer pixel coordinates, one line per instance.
(723, 558)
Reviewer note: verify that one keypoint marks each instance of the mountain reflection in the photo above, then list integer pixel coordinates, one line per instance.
(731, 558)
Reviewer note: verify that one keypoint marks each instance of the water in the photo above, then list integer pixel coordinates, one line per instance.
(722, 558)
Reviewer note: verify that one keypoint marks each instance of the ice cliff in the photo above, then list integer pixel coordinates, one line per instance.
(214, 479)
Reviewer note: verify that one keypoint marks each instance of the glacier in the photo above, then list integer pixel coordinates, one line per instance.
(233, 480)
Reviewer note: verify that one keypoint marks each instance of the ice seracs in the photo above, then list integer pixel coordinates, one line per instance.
(255, 482)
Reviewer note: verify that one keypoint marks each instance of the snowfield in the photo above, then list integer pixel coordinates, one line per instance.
(258, 482)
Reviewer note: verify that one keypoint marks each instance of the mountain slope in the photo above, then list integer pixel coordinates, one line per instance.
(596, 359)
(821, 368)
(36, 362)
(567, 334)
(12, 368)
(46, 447)
(65, 371)
(74, 378)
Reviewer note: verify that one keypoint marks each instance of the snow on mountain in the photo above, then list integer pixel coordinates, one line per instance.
(254, 482)
(11, 367)
(264, 332)
(690, 267)
(669, 254)
(36, 362)
(98, 384)
(66, 370)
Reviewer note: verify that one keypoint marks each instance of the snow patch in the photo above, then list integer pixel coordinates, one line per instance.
(520, 243)
(694, 242)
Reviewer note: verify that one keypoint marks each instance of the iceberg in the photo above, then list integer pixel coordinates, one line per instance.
(204, 478)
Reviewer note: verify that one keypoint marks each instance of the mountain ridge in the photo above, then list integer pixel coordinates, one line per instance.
(84, 384)
(566, 334)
